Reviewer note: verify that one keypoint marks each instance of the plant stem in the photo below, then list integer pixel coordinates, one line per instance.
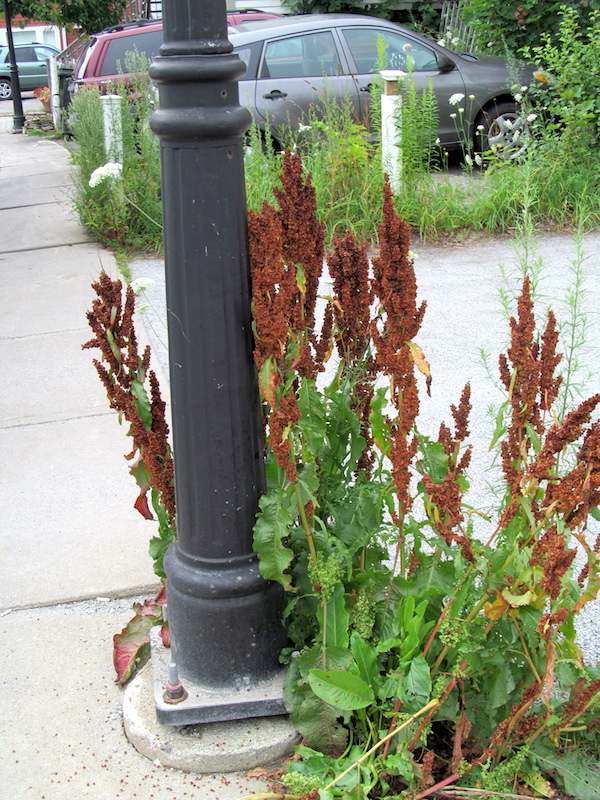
(440, 785)
(433, 704)
(526, 651)
(306, 524)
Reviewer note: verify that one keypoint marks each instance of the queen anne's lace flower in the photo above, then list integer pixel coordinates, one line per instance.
(455, 99)
(532, 118)
(109, 170)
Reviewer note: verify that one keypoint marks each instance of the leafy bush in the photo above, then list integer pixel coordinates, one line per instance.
(514, 24)
(570, 61)
(125, 211)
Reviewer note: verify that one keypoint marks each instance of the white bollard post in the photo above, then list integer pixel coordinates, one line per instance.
(391, 130)
(52, 64)
(113, 130)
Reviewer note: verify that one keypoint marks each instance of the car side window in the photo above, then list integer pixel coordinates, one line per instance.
(312, 55)
(249, 54)
(145, 44)
(399, 50)
(24, 54)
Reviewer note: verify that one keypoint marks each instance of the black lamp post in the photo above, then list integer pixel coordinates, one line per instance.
(224, 618)
(18, 115)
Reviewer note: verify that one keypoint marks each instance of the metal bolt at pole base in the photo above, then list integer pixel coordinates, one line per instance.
(224, 617)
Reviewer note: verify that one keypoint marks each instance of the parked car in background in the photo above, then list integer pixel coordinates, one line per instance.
(31, 65)
(293, 62)
(100, 59)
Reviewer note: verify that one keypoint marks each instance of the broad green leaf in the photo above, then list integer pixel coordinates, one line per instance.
(434, 459)
(525, 504)
(517, 600)
(272, 526)
(595, 513)
(140, 473)
(576, 773)
(537, 782)
(502, 685)
(308, 480)
(378, 421)
(313, 421)
(334, 623)
(316, 720)
(341, 689)
(142, 404)
(418, 678)
(366, 660)
(408, 610)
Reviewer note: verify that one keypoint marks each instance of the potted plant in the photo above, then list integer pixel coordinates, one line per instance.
(43, 95)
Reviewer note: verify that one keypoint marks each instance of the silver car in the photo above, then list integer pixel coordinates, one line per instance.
(292, 62)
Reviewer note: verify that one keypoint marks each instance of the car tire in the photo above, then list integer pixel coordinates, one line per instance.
(502, 130)
(5, 89)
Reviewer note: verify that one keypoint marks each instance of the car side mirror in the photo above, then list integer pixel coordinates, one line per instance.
(445, 63)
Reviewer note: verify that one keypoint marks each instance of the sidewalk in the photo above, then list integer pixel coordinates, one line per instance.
(72, 544)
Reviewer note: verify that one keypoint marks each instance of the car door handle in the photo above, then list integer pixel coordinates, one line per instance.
(274, 95)
(368, 88)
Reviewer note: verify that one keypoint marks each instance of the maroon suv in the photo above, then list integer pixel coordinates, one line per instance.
(102, 58)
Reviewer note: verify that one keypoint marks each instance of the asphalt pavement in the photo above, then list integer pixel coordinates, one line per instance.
(75, 552)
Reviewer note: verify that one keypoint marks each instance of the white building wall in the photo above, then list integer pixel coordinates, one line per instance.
(41, 34)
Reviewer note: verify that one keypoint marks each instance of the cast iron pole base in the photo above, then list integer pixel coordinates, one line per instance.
(202, 703)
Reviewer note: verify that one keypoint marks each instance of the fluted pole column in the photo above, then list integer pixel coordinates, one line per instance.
(224, 618)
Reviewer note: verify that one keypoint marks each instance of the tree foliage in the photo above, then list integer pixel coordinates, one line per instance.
(89, 15)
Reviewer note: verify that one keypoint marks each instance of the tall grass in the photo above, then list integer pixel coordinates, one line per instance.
(558, 185)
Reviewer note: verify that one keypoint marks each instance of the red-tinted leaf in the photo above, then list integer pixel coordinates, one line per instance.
(165, 635)
(141, 505)
(131, 647)
(140, 473)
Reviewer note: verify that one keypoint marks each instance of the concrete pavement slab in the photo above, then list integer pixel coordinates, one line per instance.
(61, 725)
(54, 287)
(69, 529)
(54, 225)
(51, 378)
(48, 189)
(25, 156)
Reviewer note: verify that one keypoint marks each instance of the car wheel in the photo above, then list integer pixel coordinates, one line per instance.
(5, 89)
(502, 130)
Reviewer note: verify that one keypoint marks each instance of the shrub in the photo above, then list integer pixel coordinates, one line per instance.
(514, 24)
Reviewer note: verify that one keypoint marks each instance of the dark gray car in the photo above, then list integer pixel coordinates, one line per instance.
(292, 62)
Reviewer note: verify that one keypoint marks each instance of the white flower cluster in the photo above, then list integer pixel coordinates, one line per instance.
(448, 40)
(105, 172)
(455, 99)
